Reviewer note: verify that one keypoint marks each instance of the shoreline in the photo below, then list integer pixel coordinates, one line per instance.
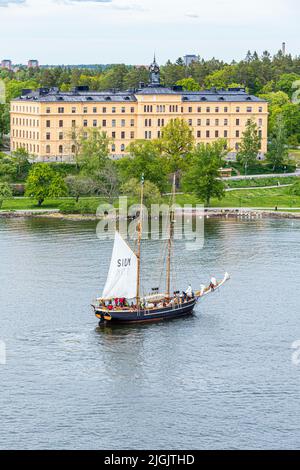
(218, 213)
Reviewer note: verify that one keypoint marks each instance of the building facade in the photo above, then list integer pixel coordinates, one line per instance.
(44, 122)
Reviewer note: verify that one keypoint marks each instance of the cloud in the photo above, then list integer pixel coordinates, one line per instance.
(192, 15)
(5, 3)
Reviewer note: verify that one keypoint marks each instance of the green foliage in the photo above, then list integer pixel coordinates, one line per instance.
(8, 167)
(278, 148)
(79, 186)
(176, 144)
(93, 151)
(144, 158)
(295, 189)
(132, 188)
(286, 82)
(44, 182)
(5, 192)
(203, 177)
(250, 145)
(22, 159)
(188, 84)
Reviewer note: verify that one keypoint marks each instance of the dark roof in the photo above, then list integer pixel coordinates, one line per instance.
(53, 95)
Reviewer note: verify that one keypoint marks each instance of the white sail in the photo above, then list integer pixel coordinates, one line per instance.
(122, 276)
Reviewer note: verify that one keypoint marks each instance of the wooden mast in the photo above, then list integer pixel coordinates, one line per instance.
(138, 254)
(170, 241)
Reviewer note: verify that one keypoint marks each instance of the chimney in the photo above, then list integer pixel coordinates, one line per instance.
(283, 48)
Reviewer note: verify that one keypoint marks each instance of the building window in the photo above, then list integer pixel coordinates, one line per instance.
(73, 123)
(237, 122)
(48, 110)
(208, 110)
(123, 123)
(48, 148)
(190, 110)
(207, 134)
(113, 123)
(225, 122)
(217, 110)
(249, 110)
(61, 136)
(103, 110)
(199, 134)
(237, 109)
(132, 122)
(48, 124)
(95, 123)
(225, 133)
(237, 134)
(260, 110)
(208, 122)
(199, 122)
(60, 149)
(103, 123)
(95, 110)
(61, 110)
(113, 148)
(61, 123)
(48, 136)
(199, 109)
(73, 150)
(190, 122)
(73, 110)
(122, 135)
(132, 134)
(85, 110)
(123, 110)
(260, 122)
(113, 110)
(123, 148)
(85, 123)
(132, 110)
(217, 122)
(226, 110)
(216, 134)
(113, 134)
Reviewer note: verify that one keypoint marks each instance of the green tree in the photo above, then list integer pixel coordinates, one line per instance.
(278, 148)
(144, 158)
(22, 158)
(79, 186)
(5, 192)
(132, 188)
(93, 151)
(250, 145)
(176, 144)
(44, 182)
(203, 177)
(188, 84)
(286, 81)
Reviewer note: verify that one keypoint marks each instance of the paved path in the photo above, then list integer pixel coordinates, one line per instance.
(259, 187)
(265, 175)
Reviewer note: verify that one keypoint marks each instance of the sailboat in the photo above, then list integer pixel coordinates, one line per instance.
(122, 301)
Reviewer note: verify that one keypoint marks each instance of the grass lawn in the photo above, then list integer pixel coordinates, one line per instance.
(269, 198)
(295, 156)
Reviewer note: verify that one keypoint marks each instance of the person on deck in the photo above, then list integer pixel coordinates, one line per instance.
(213, 283)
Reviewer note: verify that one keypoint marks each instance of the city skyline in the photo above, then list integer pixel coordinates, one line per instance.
(129, 31)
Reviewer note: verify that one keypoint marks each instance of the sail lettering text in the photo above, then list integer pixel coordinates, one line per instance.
(124, 263)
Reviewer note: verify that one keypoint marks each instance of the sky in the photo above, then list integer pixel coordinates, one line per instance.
(129, 31)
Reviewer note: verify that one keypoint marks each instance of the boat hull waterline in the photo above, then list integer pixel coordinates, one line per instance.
(145, 315)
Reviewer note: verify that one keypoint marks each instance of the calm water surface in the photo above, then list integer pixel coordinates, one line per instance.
(221, 379)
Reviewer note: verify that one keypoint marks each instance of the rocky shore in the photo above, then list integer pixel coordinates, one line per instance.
(238, 213)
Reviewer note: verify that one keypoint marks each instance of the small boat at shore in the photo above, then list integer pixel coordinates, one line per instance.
(122, 301)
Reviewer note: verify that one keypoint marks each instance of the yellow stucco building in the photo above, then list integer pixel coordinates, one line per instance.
(42, 121)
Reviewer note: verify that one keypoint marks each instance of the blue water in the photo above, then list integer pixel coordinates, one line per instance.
(222, 379)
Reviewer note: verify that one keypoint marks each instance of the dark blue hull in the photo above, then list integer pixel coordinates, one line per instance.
(143, 316)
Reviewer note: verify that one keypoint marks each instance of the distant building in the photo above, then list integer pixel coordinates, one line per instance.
(44, 121)
(33, 63)
(189, 59)
(6, 64)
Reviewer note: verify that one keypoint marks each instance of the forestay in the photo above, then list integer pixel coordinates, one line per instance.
(122, 275)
